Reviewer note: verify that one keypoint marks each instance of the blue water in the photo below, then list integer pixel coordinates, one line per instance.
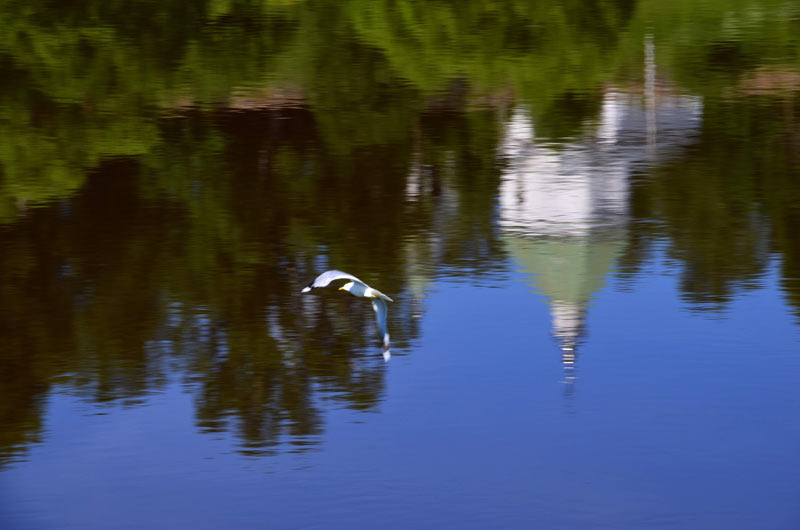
(586, 213)
(476, 429)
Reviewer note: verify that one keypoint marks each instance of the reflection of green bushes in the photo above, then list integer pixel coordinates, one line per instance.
(50, 161)
(539, 49)
(89, 78)
(707, 46)
(103, 67)
(106, 69)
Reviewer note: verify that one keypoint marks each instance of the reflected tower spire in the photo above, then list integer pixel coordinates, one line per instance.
(564, 206)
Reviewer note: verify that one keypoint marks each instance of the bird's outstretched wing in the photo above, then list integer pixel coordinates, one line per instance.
(380, 316)
(324, 279)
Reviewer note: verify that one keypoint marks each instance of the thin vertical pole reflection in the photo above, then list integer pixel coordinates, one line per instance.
(650, 93)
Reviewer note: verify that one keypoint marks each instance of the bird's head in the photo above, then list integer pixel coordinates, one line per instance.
(347, 286)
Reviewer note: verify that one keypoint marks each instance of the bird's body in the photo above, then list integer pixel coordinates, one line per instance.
(357, 288)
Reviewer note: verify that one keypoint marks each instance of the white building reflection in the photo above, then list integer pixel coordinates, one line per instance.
(564, 206)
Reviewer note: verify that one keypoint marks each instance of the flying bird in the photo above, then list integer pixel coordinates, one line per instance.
(357, 288)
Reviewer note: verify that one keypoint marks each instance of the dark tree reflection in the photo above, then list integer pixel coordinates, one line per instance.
(725, 208)
(189, 261)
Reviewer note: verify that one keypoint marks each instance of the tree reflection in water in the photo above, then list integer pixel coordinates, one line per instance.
(161, 225)
(153, 271)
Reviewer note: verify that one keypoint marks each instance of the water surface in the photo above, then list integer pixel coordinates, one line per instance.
(587, 215)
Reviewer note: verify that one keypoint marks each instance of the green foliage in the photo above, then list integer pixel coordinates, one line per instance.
(709, 46)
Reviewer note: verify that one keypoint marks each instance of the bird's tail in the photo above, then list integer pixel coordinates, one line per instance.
(381, 295)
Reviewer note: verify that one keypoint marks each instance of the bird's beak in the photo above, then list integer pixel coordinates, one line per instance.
(340, 289)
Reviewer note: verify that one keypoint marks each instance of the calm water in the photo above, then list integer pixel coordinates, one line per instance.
(587, 213)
